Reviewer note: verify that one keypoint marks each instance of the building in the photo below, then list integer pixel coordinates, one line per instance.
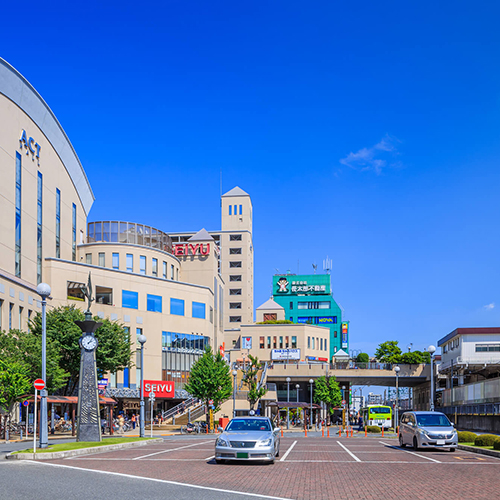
(169, 288)
(308, 299)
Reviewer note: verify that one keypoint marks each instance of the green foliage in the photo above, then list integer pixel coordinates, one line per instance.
(327, 390)
(373, 429)
(466, 436)
(388, 352)
(250, 379)
(496, 445)
(362, 357)
(14, 384)
(276, 322)
(486, 440)
(210, 378)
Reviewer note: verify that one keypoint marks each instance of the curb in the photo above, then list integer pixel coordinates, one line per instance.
(81, 451)
(480, 451)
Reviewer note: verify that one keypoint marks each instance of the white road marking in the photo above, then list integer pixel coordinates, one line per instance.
(350, 452)
(209, 458)
(412, 452)
(164, 481)
(172, 449)
(282, 459)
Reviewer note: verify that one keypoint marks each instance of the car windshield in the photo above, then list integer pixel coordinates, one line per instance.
(380, 409)
(248, 424)
(432, 421)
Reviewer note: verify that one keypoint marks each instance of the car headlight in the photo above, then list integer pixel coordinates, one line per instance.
(425, 433)
(266, 442)
(221, 441)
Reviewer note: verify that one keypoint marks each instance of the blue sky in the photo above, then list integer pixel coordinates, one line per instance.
(364, 131)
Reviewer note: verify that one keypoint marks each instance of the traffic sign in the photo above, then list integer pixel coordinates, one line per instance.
(26, 403)
(343, 402)
(211, 402)
(151, 396)
(39, 384)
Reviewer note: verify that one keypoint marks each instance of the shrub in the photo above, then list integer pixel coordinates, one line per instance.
(466, 437)
(486, 440)
(496, 445)
(373, 428)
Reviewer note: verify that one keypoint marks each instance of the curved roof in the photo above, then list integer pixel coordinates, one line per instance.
(15, 87)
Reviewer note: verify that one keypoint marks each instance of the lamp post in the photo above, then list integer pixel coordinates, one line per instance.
(234, 392)
(343, 407)
(298, 388)
(44, 291)
(396, 413)
(142, 340)
(288, 380)
(311, 381)
(431, 350)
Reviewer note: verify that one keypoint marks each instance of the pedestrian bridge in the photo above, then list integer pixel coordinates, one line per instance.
(380, 374)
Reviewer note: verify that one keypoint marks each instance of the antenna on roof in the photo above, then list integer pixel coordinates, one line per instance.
(315, 267)
(327, 265)
(277, 270)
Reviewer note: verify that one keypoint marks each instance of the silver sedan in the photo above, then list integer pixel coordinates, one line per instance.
(248, 438)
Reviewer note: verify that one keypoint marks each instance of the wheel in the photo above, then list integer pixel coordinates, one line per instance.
(401, 442)
(278, 452)
(220, 461)
(415, 444)
(452, 450)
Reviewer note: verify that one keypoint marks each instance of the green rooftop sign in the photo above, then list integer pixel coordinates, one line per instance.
(312, 284)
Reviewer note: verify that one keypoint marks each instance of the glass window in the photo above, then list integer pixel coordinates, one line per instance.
(291, 305)
(236, 210)
(102, 261)
(321, 344)
(154, 267)
(142, 264)
(235, 291)
(235, 237)
(154, 303)
(198, 310)
(241, 209)
(18, 216)
(39, 230)
(235, 319)
(335, 335)
(230, 209)
(235, 251)
(235, 277)
(116, 261)
(262, 342)
(58, 223)
(326, 349)
(313, 342)
(103, 295)
(130, 299)
(177, 307)
(274, 342)
(286, 342)
(269, 342)
(171, 271)
(234, 305)
(73, 237)
(308, 342)
(281, 342)
(130, 263)
(294, 342)
(235, 264)
(88, 258)
(164, 270)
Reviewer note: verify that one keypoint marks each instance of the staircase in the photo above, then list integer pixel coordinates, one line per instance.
(187, 411)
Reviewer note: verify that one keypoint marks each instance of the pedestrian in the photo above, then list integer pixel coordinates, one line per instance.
(133, 420)
(121, 423)
(360, 428)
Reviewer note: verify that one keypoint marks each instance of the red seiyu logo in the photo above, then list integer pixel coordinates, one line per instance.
(191, 249)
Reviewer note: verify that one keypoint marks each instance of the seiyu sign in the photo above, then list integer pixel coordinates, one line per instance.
(285, 354)
(160, 388)
(191, 249)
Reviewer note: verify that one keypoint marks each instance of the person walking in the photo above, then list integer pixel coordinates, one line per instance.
(121, 423)
(133, 419)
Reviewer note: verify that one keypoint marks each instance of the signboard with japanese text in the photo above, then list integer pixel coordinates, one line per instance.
(285, 354)
(161, 388)
(313, 284)
(246, 342)
(345, 333)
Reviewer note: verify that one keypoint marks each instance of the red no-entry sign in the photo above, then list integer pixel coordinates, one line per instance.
(39, 384)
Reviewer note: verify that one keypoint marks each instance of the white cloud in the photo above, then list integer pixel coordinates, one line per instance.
(375, 158)
(489, 307)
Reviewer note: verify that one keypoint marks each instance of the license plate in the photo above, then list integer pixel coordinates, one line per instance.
(241, 455)
(441, 441)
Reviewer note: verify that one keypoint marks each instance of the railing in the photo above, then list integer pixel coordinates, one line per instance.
(179, 409)
(486, 391)
(469, 360)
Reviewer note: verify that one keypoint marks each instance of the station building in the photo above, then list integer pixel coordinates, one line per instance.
(173, 288)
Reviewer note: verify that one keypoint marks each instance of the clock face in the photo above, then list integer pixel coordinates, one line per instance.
(89, 342)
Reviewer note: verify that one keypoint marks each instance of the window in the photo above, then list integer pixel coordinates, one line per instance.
(177, 307)
(75, 291)
(58, 223)
(235, 251)
(236, 210)
(235, 319)
(281, 342)
(291, 305)
(73, 234)
(294, 342)
(321, 344)
(234, 305)
(102, 259)
(211, 315)
(103, 295)
(230, 210)
(274, 342)
(314, 305)
(39, 229)
(142, 264)
(177, 273)
(116, 261)
(335, 334)
(11, 307)
(154, 267)
(130, 299)
(326, 349)
(130, 263)
(164, 270)
(88, 258)
(154, 303)
(261, 342)
(235, 237)
(235, 264)
(270, 316)
(235, 277)
(235, 291)
(241, 209)
(171, 271)
(20, 317)
(198, 310)
(308, 342)
(286, 342)
(487, 347)
(269, 342)
(313, 343)
(18, 216)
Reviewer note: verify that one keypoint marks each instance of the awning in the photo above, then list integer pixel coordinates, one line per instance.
(70, 400)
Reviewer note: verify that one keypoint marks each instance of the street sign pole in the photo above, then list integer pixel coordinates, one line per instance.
(34, 424)
(152, 400)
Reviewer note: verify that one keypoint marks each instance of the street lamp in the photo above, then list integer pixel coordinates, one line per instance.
(288, 380)
(396, 414)
(44, 291)
(298, 388)
(343, 407)
(431, 350)
(311, 381)
(234, 392)
(142, 340)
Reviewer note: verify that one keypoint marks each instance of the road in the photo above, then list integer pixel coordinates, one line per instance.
(308, 468)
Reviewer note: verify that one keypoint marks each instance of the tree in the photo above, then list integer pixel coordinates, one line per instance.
(113, 353)
(250, 378)
(362, 357)
(327, 390)
(388, 352)
(415, 357)
(210, 379)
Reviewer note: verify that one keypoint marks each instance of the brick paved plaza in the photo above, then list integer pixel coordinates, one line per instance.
(318, 468)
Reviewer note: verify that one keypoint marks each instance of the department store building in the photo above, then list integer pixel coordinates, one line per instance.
(179, 289)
